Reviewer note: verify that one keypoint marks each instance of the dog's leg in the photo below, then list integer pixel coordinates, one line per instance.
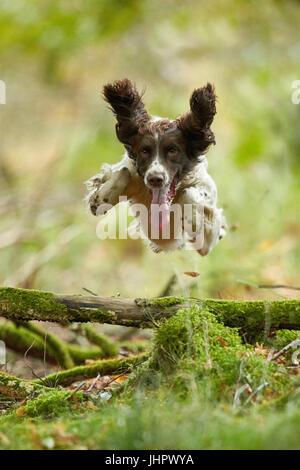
(202, 221)
(106, 187)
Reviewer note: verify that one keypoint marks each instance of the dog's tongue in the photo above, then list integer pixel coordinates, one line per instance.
(160, 209)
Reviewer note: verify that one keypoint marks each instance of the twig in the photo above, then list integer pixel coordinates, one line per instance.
(89, 291)
(59, 348)
(79, 386)
(168, 288)
(28, 365)
(93, 383)
(258, 389)
(115, 378)
(238, 392)
(277, 286)
(291, 345)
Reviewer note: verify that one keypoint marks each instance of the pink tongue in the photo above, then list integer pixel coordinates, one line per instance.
(160, 209)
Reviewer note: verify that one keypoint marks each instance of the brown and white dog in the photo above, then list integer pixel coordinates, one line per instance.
(164, 164)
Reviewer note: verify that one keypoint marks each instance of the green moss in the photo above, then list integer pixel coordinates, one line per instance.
(14, 387)
(256, 314)
(53, 403)
(135, 346)
(108, 348)
(23, 304)
(277, 340)
(193, 348)
(164, 301)
(80, 355)
(283, 338)
(20, 339)
(105, 367)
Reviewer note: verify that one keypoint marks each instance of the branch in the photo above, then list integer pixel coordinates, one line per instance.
(20, 339)
(26, 305)
(109, 349)
(105, 367)
(291, 345)
(59, 348)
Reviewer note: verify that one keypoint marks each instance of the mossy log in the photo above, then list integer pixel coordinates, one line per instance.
(26, 305)
(105, 367)
(109, 349)
(59, 348)
(11, 386)
(21, 339)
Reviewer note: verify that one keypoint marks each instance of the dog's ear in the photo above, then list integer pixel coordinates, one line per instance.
(195, 124)
(128, 107)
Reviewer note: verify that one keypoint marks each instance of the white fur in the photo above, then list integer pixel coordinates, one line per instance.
(156, 168)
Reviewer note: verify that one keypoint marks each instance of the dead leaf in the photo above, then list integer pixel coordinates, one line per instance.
(260, 350)
(222, 341)
(191, 273)
(121, 379)
(21, 411)
(91, 405)
(235, 226)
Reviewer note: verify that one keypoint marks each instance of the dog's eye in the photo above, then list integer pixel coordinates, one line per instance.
(145, 151)
(172, 150)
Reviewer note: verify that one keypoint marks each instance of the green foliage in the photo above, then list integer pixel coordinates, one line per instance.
(159, 422)
(283, 338)
(194, 349)
(56, 29)
(50, 404)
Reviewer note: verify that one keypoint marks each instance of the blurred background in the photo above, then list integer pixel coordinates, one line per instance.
(56, 131)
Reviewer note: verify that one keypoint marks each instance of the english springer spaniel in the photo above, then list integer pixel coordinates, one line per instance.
(164, 165)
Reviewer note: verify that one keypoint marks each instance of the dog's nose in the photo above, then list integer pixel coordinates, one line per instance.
(155, 180)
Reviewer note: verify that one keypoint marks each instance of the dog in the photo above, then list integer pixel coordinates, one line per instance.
(164, 165)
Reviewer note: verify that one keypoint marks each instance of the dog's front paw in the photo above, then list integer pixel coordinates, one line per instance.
(106, 189)
(97, 180)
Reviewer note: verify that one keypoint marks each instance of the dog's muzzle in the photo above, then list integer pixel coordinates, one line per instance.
(156, 180)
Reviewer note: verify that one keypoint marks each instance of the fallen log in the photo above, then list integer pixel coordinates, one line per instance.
(21, 339)
(27, 305)
(104, 367)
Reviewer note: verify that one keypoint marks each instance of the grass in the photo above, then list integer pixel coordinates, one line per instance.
(158, 422)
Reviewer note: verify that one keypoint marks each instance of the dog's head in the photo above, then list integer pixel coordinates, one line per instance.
(163, 150)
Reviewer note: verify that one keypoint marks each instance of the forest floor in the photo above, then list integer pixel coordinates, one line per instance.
(201, 386)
